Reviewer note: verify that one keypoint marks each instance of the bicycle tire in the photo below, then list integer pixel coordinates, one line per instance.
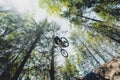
(64, 53)
(65, 42)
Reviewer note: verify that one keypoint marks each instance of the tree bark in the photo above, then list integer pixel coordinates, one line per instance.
(90, 52)
(102, 22)
(100, 55)
(20, 68)
(52, 72)
(105, 34)
(88, 58)
(107, 52)
(113, 49)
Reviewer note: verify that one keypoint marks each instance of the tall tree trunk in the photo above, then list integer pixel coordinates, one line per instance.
(20, 68)
(98, 53)
(52, 72)
(116, 40)
(107, 52)
(85, 54)
(90, 52)
(6, 74)
(113, 49)
(100, 1)
(102, 22)
(104, 33)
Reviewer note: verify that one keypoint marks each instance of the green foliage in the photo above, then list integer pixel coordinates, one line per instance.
(105, 11)
(50, 6)
(69, 69)
(93, 39)
(17, 34)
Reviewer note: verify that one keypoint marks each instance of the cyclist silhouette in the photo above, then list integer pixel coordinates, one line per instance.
(61, 42)
(57, 40)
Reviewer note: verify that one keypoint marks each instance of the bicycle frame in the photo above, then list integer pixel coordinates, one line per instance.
(60, 44)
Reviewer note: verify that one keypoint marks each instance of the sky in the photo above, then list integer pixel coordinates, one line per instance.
(32, 7)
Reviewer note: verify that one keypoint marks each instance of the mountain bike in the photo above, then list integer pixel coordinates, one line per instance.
(62, 42)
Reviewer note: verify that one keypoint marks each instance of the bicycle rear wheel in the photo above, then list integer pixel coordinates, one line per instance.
(65, 42)
(64, 53)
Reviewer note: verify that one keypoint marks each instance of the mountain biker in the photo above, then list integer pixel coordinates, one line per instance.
(57, 40)
(61, 43)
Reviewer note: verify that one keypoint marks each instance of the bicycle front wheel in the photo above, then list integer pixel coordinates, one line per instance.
(64, 53)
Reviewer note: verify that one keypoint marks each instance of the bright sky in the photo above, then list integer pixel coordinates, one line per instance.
(32, 7)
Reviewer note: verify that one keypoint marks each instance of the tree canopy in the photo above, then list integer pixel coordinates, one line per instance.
(28, 50)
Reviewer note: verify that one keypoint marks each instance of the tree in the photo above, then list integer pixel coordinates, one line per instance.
(75, 11)
(95, 43)
(69, 69)
(20, 38)
(19, 70)
(10, 37)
